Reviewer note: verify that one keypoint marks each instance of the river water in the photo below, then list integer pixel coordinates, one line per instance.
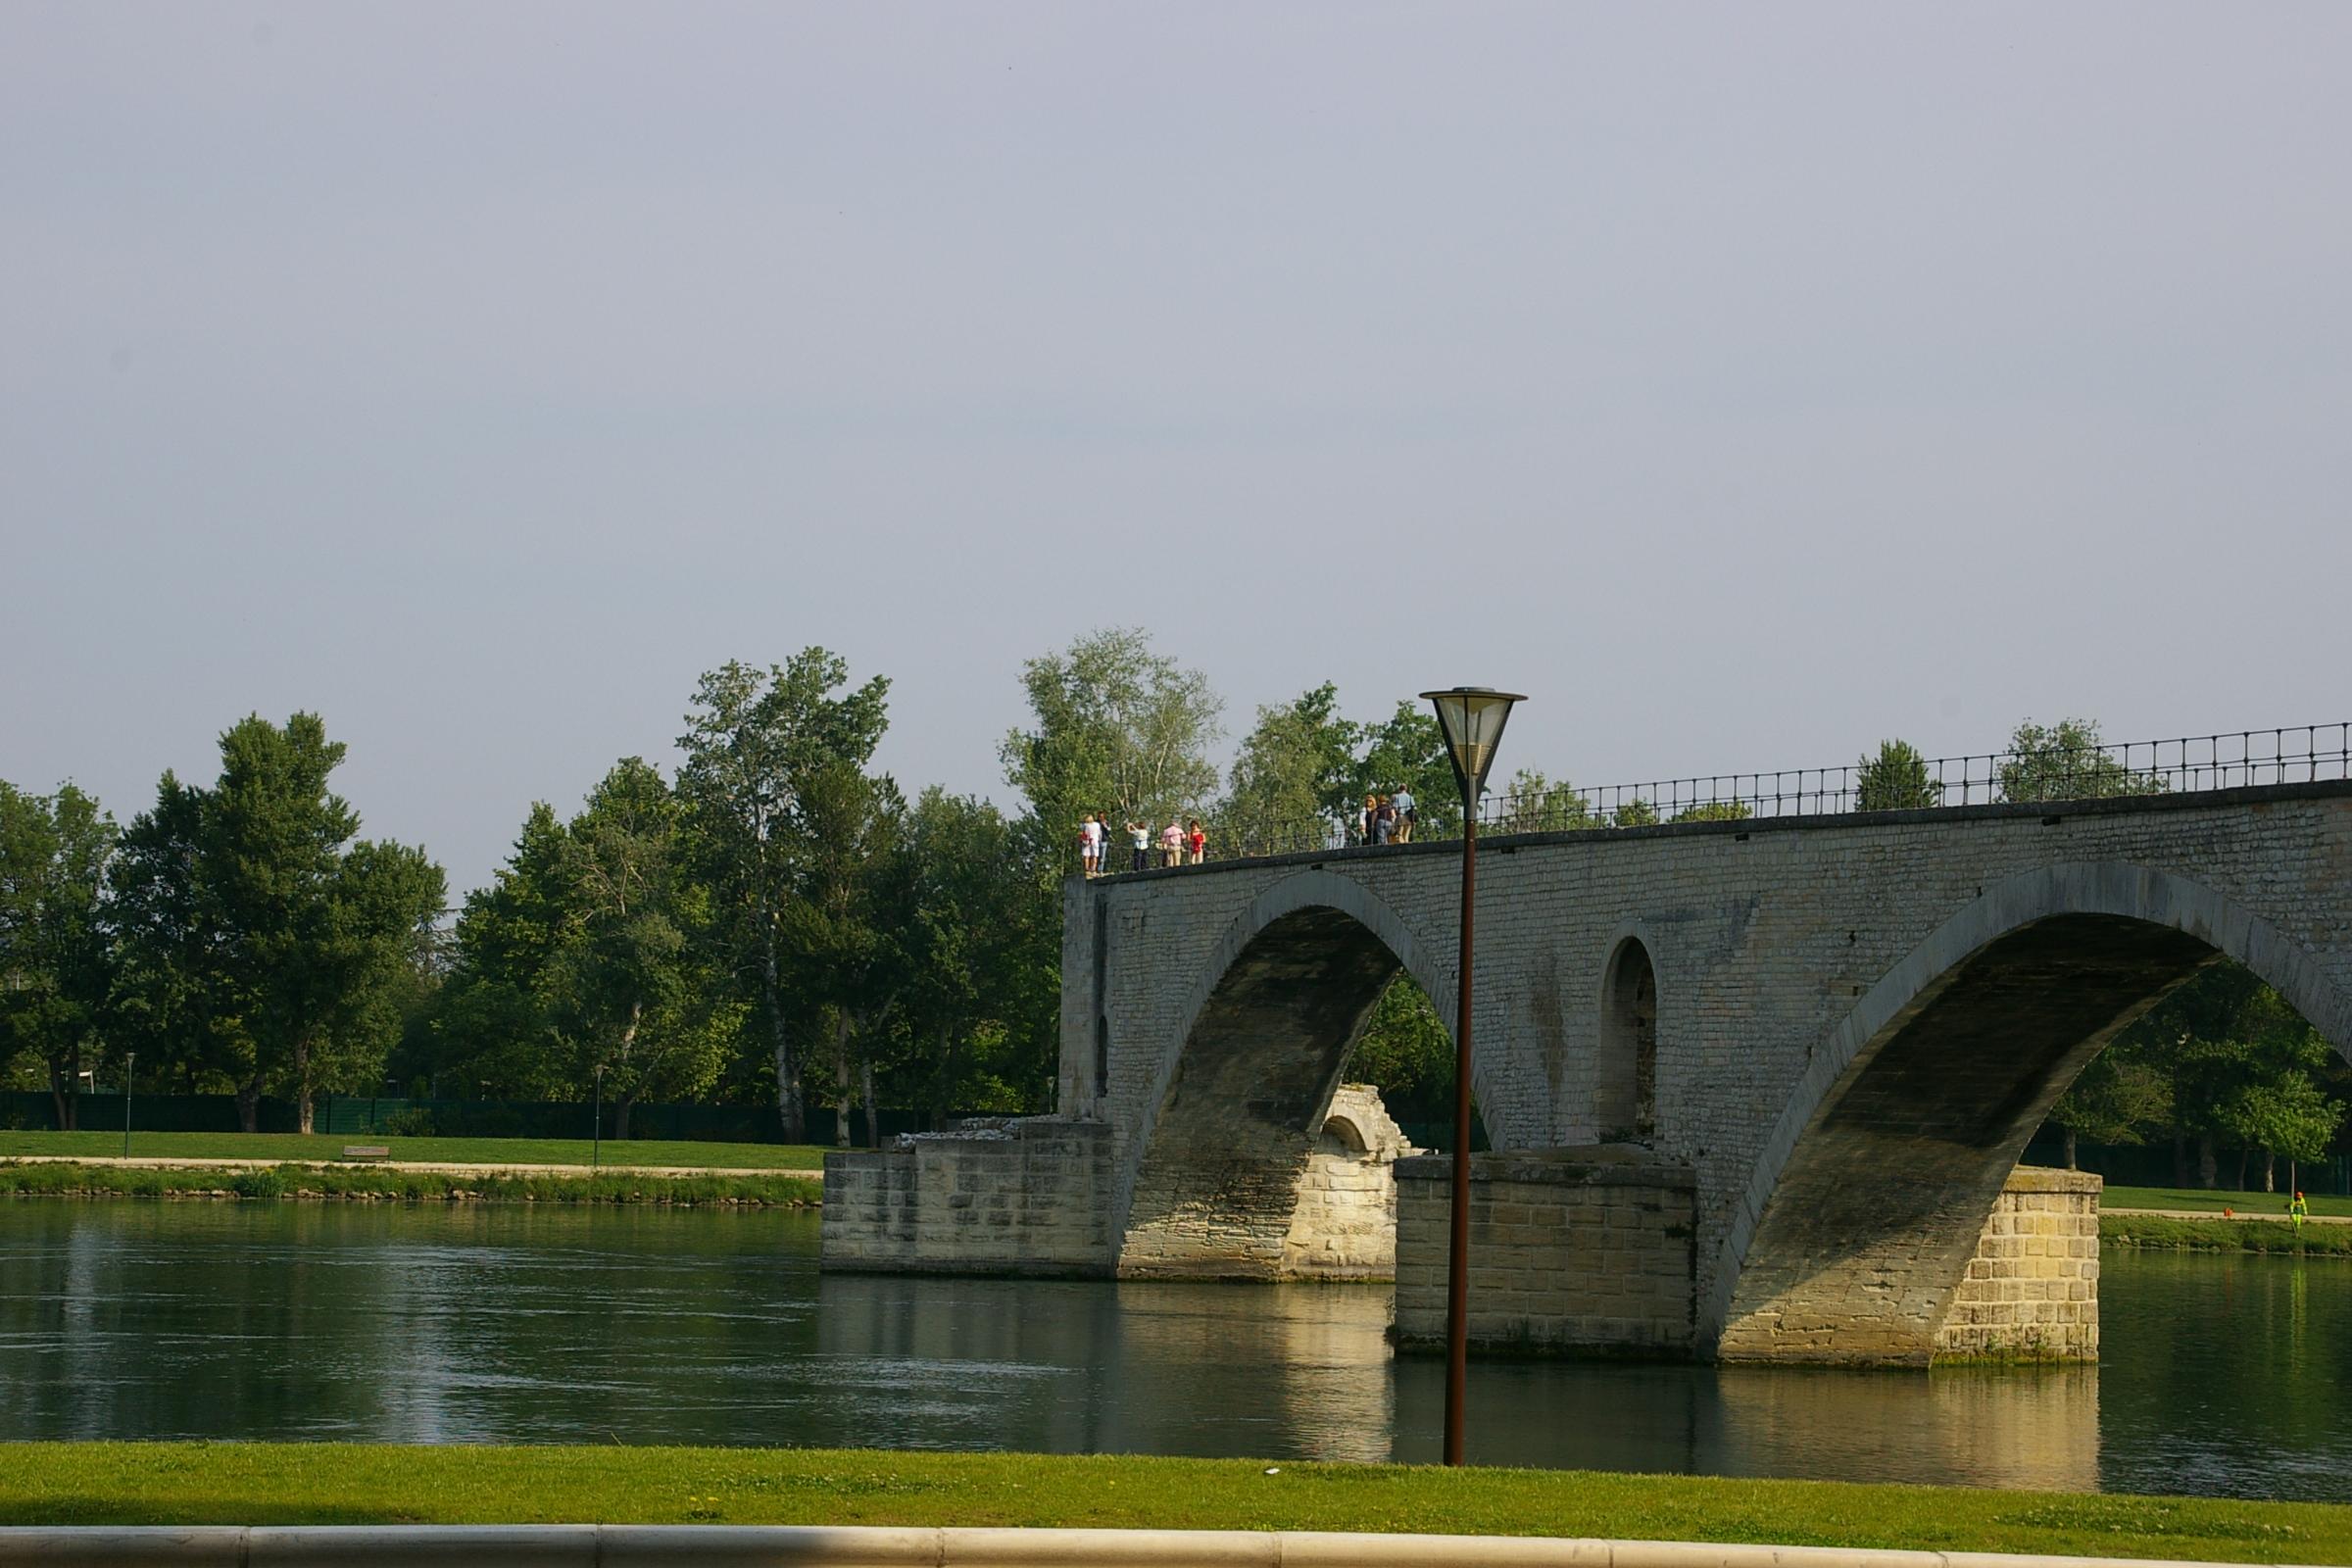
(539, 1324)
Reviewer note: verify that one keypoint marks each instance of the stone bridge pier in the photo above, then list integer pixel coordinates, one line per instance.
(1756, 1090)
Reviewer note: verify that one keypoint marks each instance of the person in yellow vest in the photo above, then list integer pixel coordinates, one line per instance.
(2299, 1211)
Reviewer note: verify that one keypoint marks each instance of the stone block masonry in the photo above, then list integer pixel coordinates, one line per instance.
(2032, 1292)
(1344, 1224)
(1572, 1252)
(1030, 1196)
(1590, 1251)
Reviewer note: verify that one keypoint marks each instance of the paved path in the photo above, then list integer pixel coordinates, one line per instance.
(432, 1166)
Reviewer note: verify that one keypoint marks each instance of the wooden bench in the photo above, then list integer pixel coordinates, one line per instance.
(367, 1151)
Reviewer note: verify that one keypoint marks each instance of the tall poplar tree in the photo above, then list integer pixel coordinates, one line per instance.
(754, 742)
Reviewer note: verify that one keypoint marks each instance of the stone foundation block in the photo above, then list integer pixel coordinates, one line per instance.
(1597, 1257)
(2040, 1303)
(1030, 1196)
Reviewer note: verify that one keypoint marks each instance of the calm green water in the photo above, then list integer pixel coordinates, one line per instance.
(519, 1324)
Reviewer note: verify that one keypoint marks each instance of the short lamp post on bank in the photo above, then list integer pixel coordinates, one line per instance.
(596, 1130)
(1472, 719)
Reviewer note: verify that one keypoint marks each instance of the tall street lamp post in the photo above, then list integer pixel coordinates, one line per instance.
(1472, 719)
(131, 1060)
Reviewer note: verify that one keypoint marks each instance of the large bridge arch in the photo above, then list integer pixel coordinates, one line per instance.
(1209, 1179)
(1862, 1212)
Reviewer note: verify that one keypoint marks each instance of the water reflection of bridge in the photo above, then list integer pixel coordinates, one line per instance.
(1305, 1371)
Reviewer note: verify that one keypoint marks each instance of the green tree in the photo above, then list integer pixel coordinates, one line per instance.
(2120, 1097)
(173, 1003)
(489, 1037)
(1405, 1053)
(621, 987)
(2233, 1051)
(753, 743)
(1635, 812)
(1294, 776)
(253, 927)
(2289, 1114)
(1116, 728)
(1896, 778)
(1532, 802)
(56, 958)
(377, 960)
(2068, 762)
(273, 836)
(982, 955)
(851, 971)
(1716, 811)
(1408, 752)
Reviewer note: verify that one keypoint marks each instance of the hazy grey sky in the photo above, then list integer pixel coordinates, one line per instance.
(1745, 383)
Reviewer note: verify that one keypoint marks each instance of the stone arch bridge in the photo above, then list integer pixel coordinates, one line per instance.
(1757, 1090)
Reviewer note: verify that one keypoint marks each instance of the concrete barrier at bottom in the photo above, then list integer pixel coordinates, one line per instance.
(849, 1546)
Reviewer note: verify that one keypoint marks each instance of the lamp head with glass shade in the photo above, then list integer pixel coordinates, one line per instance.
(1472, 719)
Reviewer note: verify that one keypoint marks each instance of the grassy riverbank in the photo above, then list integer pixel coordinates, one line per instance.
(2225, 1235)
(435, 1150)
(167, 1483)
(2212, 1200)
(768, 1189)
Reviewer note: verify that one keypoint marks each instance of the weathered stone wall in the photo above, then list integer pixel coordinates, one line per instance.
(2033, 1288)
(1572, 1251)
(1787, 954)
(2029, 1289)
(1030, 1196)
(1344, 1224)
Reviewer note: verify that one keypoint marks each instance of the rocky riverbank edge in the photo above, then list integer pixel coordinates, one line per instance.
(383, 1184)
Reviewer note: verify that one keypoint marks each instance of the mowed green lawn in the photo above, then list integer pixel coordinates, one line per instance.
(2204, 1201)
(256, 1483)
(453, 1151)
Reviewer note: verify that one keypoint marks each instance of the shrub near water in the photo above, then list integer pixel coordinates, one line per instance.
(258, 1184)
(757, 1189)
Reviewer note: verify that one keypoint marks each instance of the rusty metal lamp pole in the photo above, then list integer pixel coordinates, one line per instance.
(1472, 719)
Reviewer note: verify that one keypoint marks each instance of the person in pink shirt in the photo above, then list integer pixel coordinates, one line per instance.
(1171, 843)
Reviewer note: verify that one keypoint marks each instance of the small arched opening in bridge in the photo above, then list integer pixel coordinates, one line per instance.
(1865, 1211)
(1342, 1137)
(1625, 1089)
(1212, 1182)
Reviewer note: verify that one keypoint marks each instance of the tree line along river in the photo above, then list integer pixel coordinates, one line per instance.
(539, 1324)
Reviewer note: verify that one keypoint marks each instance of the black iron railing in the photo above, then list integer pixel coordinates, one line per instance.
(2057, 772)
